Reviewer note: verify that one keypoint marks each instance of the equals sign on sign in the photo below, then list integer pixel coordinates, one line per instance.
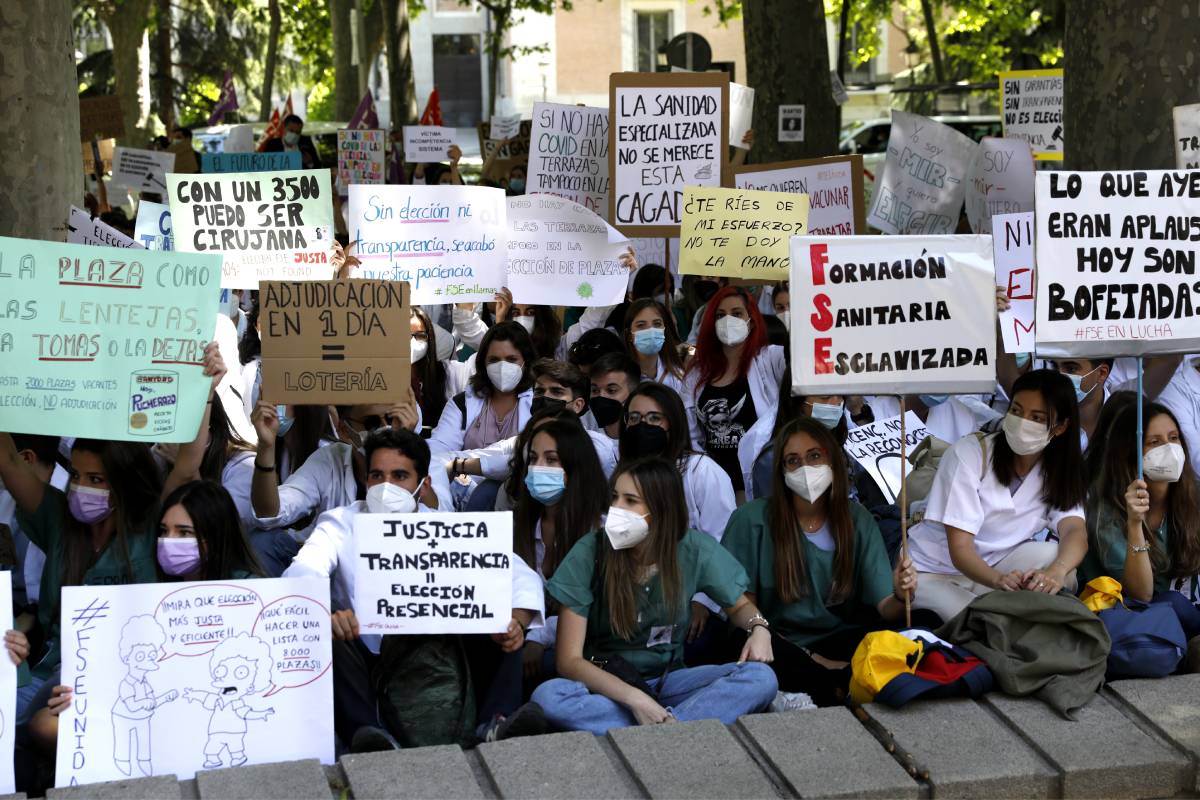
(333, 352)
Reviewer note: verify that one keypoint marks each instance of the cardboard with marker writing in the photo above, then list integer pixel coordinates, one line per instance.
(335, 342)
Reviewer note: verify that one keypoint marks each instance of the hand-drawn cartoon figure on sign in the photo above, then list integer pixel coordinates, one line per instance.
(141, 644)
(240, 667)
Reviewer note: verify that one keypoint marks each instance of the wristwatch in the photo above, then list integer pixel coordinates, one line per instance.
(757, 621)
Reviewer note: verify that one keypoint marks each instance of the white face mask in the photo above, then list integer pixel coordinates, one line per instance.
(526, 323)
(418, 349)
(810, 482)
(732, 331)
(1025, 437)
(625, 529)
(388, 498)
(504, 375)
(786, 318)
(1164, 463)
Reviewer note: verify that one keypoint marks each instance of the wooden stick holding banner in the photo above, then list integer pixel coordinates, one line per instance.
(667, 274)
(1140, 436)
(904, 507)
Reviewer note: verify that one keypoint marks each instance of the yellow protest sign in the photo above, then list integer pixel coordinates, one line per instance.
(739, 233)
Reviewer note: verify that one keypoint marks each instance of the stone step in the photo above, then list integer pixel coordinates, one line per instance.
(576, 765)
(417, 773)
(291, 780)
(159, 786)
(1171, 707)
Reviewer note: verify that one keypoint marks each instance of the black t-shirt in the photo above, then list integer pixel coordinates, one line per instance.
(725, 414)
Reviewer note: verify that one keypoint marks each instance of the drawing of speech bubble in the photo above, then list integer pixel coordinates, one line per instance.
(199, 617)
(297, 628)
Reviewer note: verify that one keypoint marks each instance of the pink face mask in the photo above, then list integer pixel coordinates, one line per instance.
(88, 505)
(179, 555)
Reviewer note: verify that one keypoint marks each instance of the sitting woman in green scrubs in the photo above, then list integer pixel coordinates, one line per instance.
(624, 595)
(817, 564)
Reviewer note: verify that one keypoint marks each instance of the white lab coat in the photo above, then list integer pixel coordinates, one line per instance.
(1182, 397)
(449, 434)
(949, 421)
(495, 461)
(236, 477)
(329, 553)
(764, 375)
(999, 521)
(709, 495)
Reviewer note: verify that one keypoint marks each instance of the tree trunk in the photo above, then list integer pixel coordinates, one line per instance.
(501, 22)
(397, 40)
(787, 63)
(131, 65)
(166, 86)
(271, 59)
(345, 76)
(1127, 66)
(42, 171)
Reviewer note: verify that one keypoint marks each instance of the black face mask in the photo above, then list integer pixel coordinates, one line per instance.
(542, 401)
(643, 439)
(605, 410)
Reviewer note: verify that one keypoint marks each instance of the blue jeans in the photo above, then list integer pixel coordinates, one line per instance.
(26, 695)
(723, 691)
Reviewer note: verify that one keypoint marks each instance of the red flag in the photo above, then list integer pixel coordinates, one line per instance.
(432, 115)
(274, 130)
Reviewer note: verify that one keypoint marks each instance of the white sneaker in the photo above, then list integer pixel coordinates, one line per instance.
(792, 701)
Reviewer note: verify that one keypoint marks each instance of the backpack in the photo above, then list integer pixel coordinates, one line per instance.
(425, 692)
(460, 400)
(1147, 640)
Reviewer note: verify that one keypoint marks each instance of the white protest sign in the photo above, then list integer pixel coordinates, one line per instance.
(1116, 263)
(840, 95)
(568, 154)
(791, 123)
(1187, 136)
(888, 315)
(877, 448)
(447, 242)
(920, 191)
(269, 226)
(561, 254)
(433, 573)
(650, 251)
(1012, 245)
(8, 693)
(667, 130)
(185, 677)
(153, 227)
(1001, 181)
(142, 170)
(427, 143)
(504, 127)
(82, 229)
(833, 185)
(1032, 103)
(741, 114)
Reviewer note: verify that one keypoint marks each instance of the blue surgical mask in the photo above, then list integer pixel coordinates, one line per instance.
(931, 400)
(546, 484)
(1077, 382)
(649, 341)
(516, 184)
(828, 414)
(285, 422)
(1022, 359)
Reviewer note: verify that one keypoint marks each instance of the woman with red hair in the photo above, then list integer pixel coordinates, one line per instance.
(733, 378)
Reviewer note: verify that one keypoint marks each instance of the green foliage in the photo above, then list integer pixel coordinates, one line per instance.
(506, 14)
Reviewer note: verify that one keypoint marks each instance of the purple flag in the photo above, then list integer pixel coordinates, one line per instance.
(227, 102)
(364, 115)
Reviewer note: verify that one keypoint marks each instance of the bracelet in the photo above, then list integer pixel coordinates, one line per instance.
(757, 621)
(261, 468)
(1143, 549)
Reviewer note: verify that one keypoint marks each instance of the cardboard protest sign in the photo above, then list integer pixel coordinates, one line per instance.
(250, 162)
(153, 227)
(502, 127)
(920, 190)
(334, 342)
(8, 688)
(427, 143)
(433, 573)
(740, 233)
(267, 226)
(1116, 256)
(741, 114)
(561, 254)
(514, 153)
(1012, 244)
(447, 242)
(667, 130)
(102, 147)
(1187, 136)
(1001, 181)
(791, 123)
(142, 170)
(834, 187)
(1032, 102)
(104, 343)
(568, 155)
(877, 448)
(82, 228)
(177, 678)
(887, 315)
(185, 157)
(101, 118)
(361, 156)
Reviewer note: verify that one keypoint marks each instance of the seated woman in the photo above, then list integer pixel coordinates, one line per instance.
(1146, 533)
(817, 565)
(434, 381)
(624, 609)
(992, 494)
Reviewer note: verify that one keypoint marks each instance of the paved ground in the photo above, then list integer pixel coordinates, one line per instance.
(1137, 739)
